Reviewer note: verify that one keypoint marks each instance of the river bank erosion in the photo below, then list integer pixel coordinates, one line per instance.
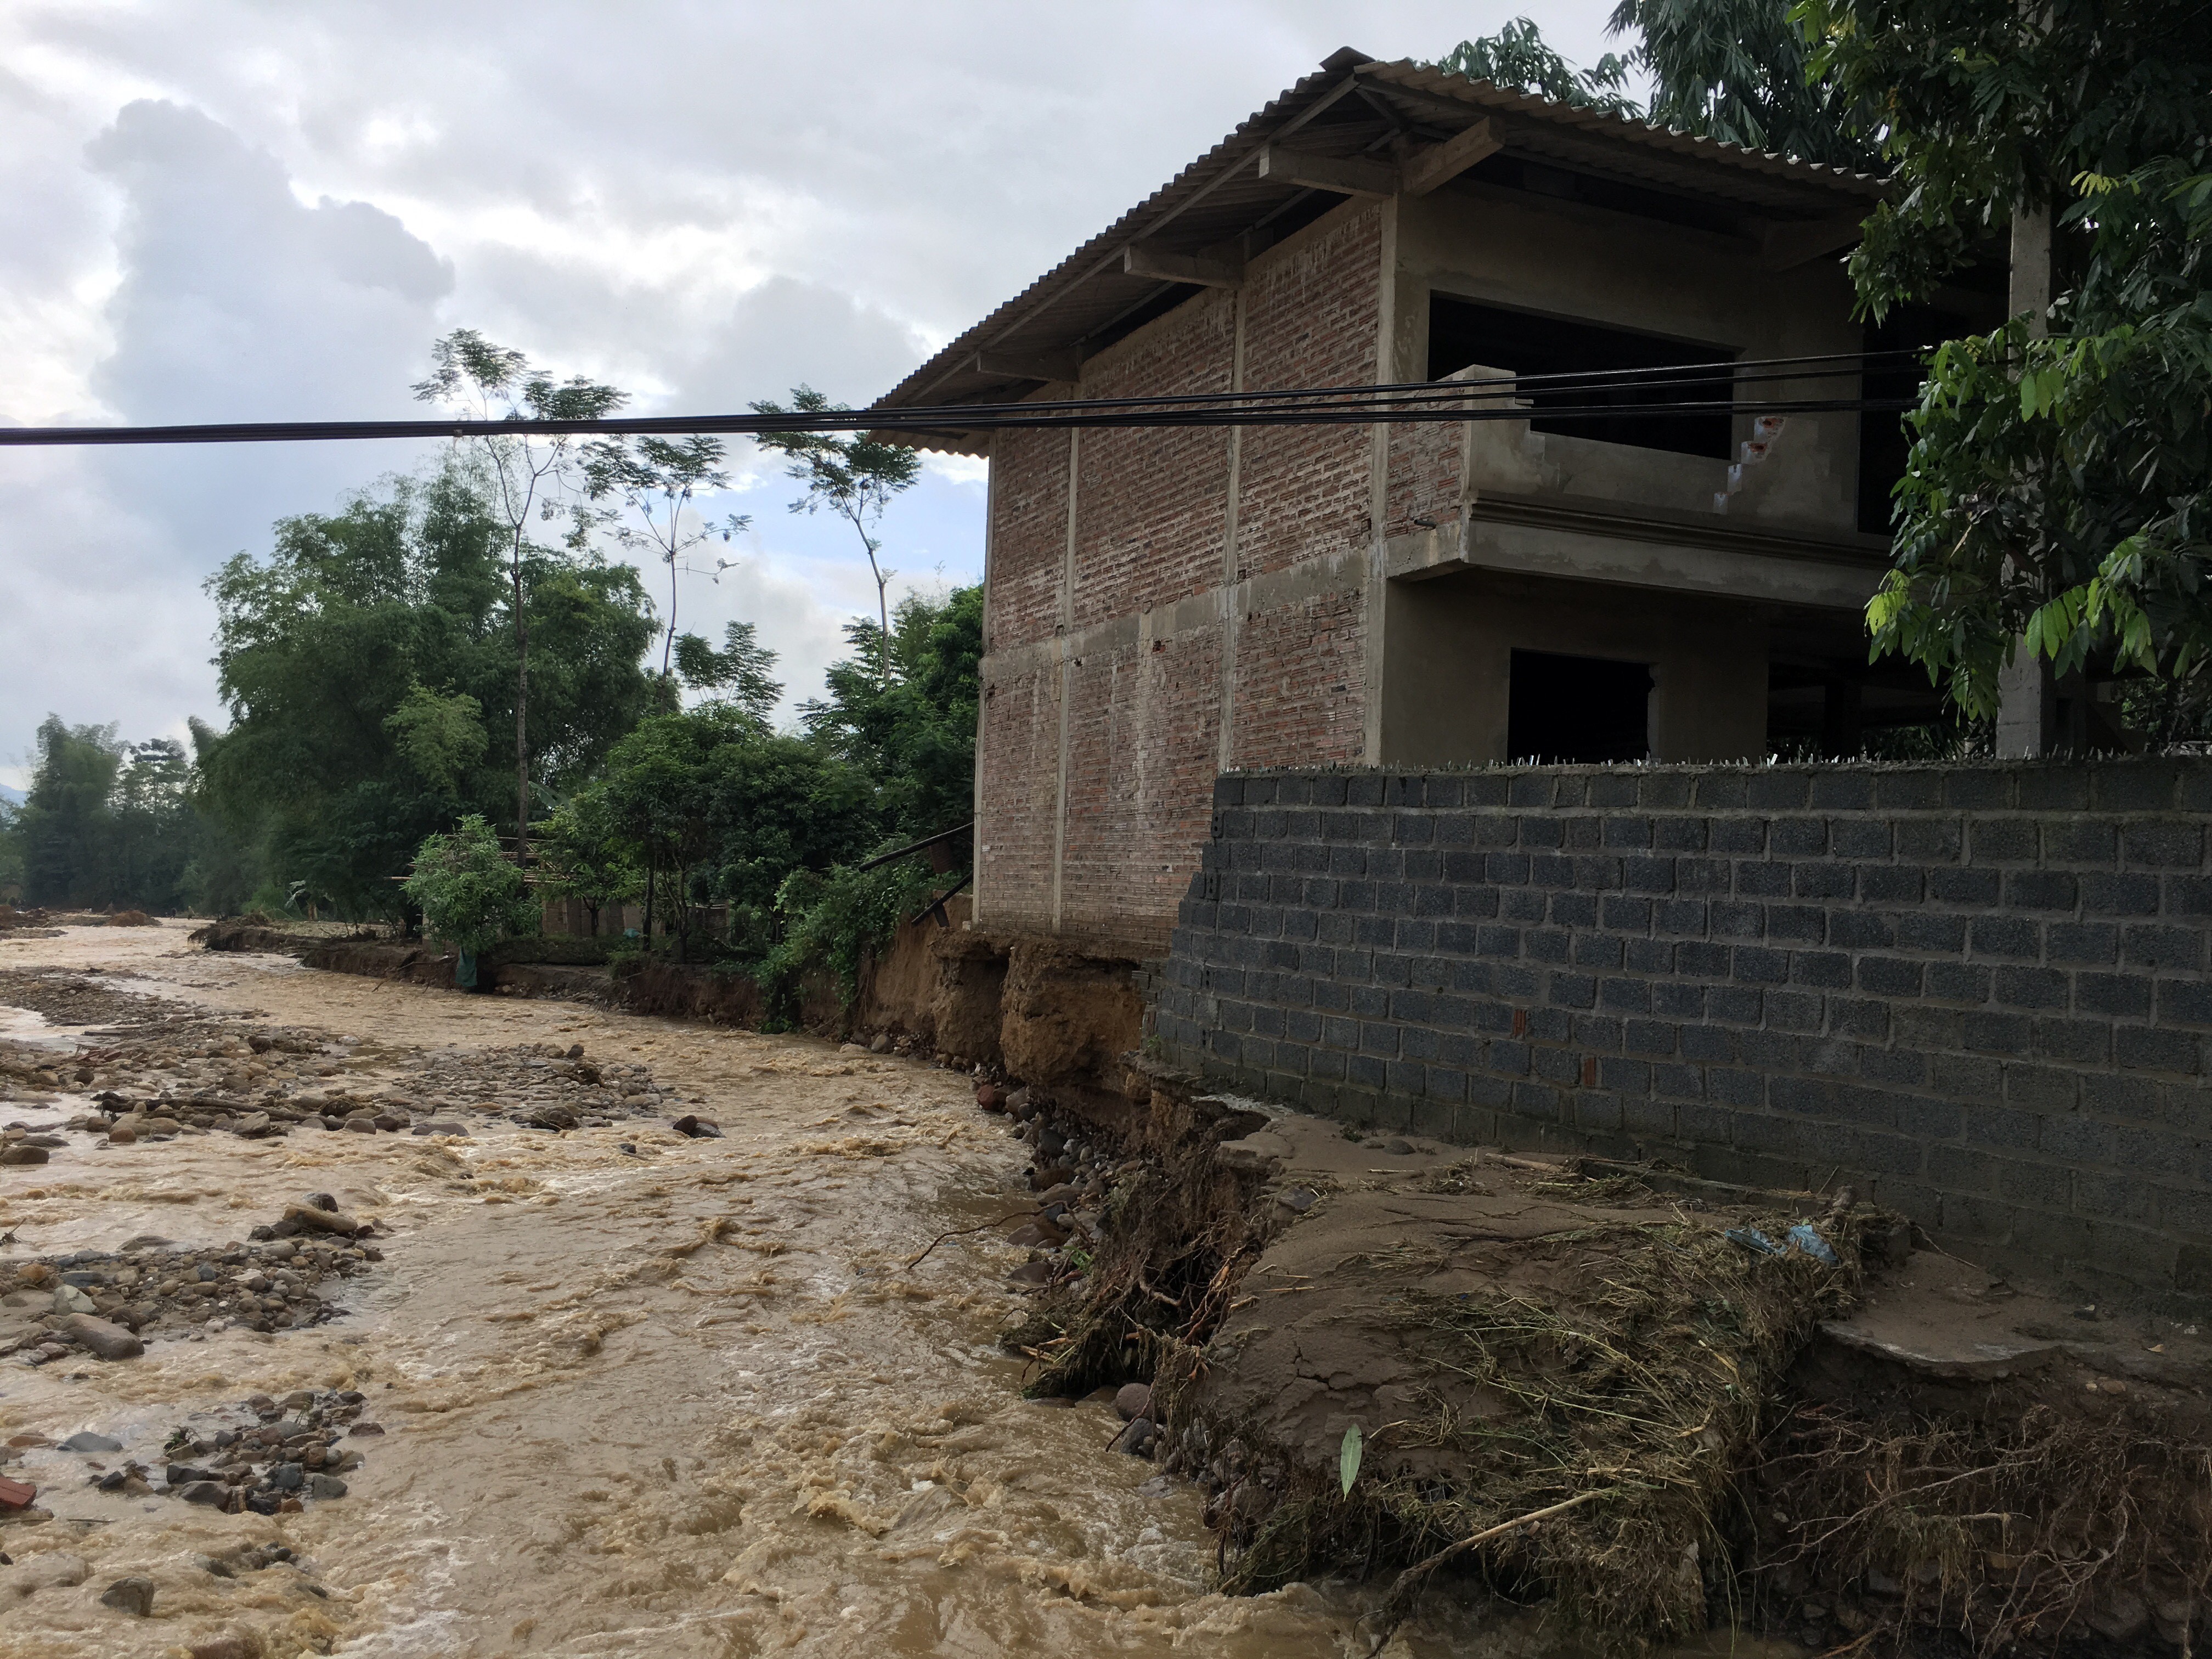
(638, 1391)
(343, 1314)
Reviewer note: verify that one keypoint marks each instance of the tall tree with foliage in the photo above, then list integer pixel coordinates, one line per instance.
(741, 675)
(853, 476)
(2058, 497)
(1518, 58)
(106, 822)
(913, 730)
(524, 476)
(656, 479)
(1737, 70)
(1742, 71)
(366, 659)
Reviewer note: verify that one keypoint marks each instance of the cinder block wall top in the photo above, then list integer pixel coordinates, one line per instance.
(1978, 993)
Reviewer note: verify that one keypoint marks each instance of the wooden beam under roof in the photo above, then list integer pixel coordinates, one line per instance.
(1207, 270)
(1439, 164)
(1346, 176)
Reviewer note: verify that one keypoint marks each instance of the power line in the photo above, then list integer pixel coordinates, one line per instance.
(1422, 402)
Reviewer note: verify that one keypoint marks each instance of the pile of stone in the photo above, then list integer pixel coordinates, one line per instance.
(1074, 1180)
(108, 1303)
(541, 1086)
(288, 1453)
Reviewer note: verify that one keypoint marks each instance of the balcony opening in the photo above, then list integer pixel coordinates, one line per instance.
(1578, 709)
(1462, 333)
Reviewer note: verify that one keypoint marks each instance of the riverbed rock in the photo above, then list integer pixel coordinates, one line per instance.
(133, 1596)
(86, 1441)
(212, 1493)
(1134, 1400)
(22, 1153)
(307, 1217)
(101, 1337)
(698, 1128)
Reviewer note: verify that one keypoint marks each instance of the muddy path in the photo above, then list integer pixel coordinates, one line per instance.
(680, 1399)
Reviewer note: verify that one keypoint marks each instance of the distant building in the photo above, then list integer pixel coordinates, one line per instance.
(1164, 605)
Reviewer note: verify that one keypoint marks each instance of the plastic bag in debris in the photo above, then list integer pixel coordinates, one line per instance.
(1813, 1244)
(1800, 1237)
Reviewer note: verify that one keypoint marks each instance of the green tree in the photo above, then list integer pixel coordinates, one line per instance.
(524, 478)
(1738, 71)
(104, 822)
(655, 479)
(2056, 499)
(912, 732)
(67, 818)
(1518, 58)
(855, 478)
(365, 660)
(739, 674)
(1741, 71)
(470, 894)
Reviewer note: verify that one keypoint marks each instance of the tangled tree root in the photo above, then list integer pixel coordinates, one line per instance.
(2012, 1535)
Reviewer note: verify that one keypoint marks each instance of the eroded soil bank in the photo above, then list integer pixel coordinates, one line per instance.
(639, 1393)
(1654, 1407)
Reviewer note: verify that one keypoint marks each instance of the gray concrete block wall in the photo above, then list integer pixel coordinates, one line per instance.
(1979, 993)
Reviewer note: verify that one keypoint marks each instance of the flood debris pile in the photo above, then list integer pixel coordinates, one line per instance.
(289, 1452)
(540, 1085)
(1553, 1398)
(71, 998)
(107, 1303)
(2016, 1515)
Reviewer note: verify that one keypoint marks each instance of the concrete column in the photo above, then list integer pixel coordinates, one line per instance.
(2028, 704)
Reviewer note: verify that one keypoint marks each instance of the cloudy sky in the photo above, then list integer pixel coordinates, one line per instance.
(213, 211)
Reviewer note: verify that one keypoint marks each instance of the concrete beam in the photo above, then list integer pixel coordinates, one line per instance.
(1439, 164)
(1064, 364)
(1347, 176)
(1143, 259)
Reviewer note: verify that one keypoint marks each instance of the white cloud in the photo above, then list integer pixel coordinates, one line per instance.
(230, 208)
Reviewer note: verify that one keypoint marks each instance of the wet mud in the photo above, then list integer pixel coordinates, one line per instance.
(640, 1392)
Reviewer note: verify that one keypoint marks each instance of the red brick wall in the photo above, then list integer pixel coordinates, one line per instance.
(1142, 750)
(1301, 681)
(1310, 319)
(1017, 766)
(1029, 536)
(1143, 715)
(1152, 507)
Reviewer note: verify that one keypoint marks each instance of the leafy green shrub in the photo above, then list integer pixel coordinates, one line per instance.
(833, 921)
(471, 896)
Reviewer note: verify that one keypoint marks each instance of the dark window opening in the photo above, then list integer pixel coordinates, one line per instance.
(1578, 709)
(1884, 443)
(1462, 333)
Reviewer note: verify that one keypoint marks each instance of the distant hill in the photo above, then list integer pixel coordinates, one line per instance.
(12, 795)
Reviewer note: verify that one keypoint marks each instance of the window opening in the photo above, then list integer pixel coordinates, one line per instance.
(1462, 333)
(1578, 709)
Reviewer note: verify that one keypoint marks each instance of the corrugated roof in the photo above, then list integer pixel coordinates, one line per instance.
(1355, 106)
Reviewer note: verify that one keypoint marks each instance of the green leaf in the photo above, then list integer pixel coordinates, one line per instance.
(1347, 1461)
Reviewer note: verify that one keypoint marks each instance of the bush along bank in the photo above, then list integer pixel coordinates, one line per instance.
(1650, 1404)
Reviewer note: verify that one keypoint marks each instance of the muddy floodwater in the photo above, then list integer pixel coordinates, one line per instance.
(683, 1399)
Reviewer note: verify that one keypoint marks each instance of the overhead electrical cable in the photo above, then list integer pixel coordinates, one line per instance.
(1496, 397)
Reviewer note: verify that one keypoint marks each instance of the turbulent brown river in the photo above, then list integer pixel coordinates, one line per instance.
(681, 1402)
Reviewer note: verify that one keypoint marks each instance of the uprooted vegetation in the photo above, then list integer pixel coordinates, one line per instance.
(1584, 1393)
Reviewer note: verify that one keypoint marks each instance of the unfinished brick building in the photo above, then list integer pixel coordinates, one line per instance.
(1166, 605)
